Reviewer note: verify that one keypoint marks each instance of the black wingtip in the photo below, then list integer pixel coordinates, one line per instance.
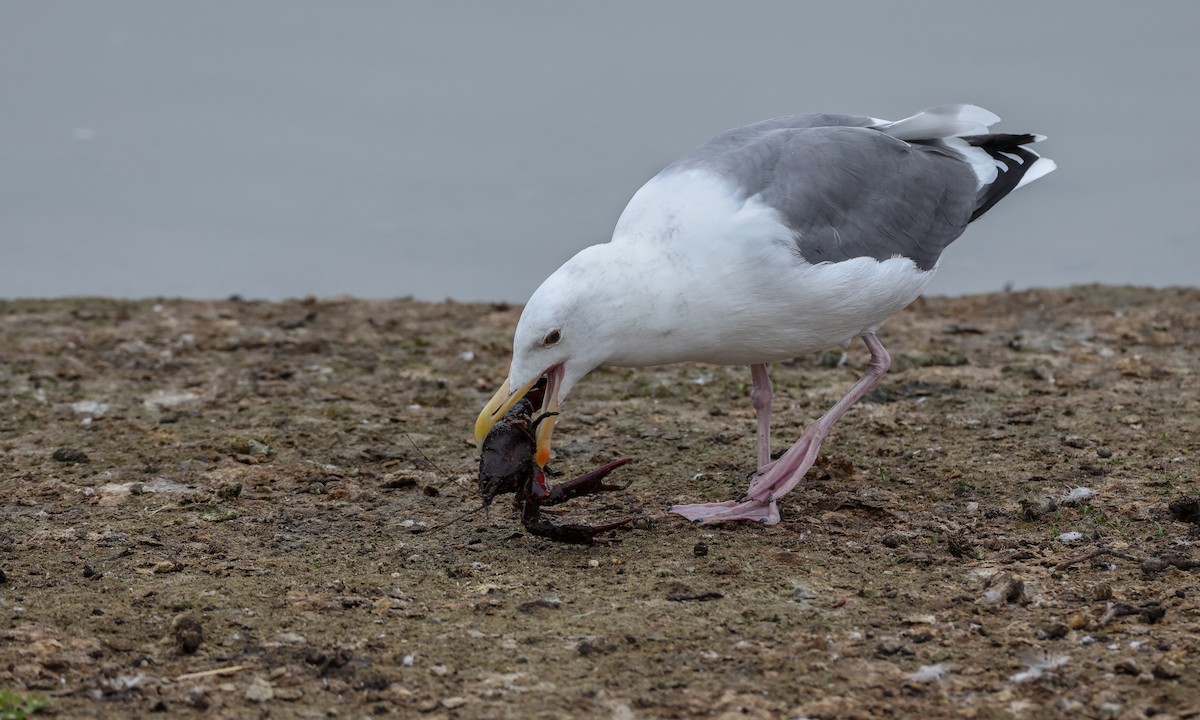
(1007, 149)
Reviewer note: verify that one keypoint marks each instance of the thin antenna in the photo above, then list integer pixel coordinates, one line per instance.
(447, 476)
(454, 520)
(426, 457)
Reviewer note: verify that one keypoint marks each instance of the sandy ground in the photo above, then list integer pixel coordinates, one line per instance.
(211, 509)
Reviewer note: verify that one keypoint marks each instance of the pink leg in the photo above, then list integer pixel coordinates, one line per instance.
(759, 501)
(761, 397)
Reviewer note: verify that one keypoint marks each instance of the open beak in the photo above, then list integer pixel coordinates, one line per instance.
(506, 397)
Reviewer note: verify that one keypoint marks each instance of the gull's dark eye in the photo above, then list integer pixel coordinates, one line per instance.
(552, 338)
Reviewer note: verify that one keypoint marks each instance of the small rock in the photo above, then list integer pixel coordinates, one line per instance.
(1153, 613)
(587, 648)
(1078, 620)
(453, 702)
(1003, 587)
(70, 455)
(289, 694)
(929, 673)
(401, 479)
(197, 697)
(1131, 366)
(159, 399)
(888, 647)
(1186, 509)
(959, 545)
(252, 447)
(260, 690)
(1127, 667)
(89, 407)
(166, 566)
(552, 603)
(1055, 631)
(187, 633)
(700, 549)
(1034, 507)
(700, 596)
(1167, 669)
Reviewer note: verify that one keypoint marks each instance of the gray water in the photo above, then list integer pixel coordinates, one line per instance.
(452, 149)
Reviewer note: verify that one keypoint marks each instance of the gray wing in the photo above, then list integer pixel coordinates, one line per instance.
(847, 191)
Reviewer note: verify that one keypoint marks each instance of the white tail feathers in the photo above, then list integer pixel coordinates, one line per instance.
(944, 121)
(966, 130)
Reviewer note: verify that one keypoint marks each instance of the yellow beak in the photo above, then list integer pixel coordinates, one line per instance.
(503, 401)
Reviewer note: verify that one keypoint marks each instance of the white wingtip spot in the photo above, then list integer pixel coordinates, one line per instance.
(1040, 168)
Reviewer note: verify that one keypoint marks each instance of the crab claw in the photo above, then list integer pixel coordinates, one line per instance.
(586, 484)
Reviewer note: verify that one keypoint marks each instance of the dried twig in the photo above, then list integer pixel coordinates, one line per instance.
(1159, 564)
(209, 673)
(701, 596)
(1149, 565)
(1095, 554)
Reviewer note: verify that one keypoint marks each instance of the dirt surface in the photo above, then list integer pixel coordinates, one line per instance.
(211, 509)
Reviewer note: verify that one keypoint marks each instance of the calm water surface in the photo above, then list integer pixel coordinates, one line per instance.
(457, 149)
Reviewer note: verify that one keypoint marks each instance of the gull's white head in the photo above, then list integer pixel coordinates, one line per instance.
(569, 327)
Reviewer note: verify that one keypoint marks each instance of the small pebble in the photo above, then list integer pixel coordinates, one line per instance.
(1186, 509)
(700, 549)
(1078, 620)
(187, 633)
(1167, 669)
(260, 691)
(70, 455)
(1127, 667)
(959, 545)
(1055, 631)
(928, 673)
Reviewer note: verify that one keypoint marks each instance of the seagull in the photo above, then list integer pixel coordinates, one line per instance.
(774, 240)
